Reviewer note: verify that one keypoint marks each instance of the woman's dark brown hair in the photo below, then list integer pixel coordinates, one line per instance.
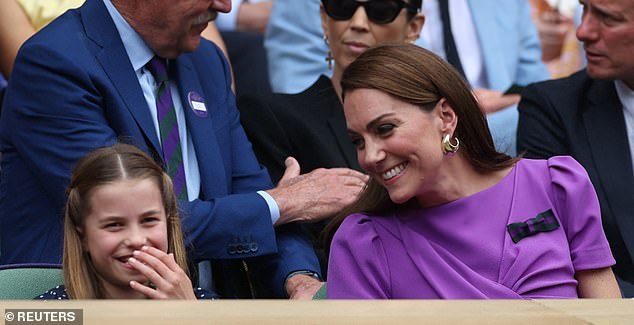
(417, 76)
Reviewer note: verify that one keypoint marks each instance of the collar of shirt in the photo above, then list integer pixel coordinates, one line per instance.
(136, 48)
(626, 96)
(465, 36)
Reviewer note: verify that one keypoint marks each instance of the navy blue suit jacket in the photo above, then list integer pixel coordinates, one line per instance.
(73, 89)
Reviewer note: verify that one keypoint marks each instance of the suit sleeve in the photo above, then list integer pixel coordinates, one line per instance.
(540, 133)
(292, 250)
(272, 145)
(53, 116)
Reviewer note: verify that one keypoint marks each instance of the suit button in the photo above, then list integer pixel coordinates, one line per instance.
(232, 249)
(254, 247)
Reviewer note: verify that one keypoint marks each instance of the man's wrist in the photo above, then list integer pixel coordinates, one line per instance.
(304, 272)
(299, 283)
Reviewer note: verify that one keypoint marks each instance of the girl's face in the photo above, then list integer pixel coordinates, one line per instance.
(398, 143)
(125, 216)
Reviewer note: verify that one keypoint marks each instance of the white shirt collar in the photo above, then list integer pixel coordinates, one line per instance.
(136, 48)
(626, 96)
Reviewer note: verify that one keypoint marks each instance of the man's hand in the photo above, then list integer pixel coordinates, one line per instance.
(254, 17)
(553, 28)
(316, 195)
(492, 101)
(302, 287)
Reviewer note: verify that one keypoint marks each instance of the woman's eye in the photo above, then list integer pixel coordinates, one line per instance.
(385, 128)
(357, 142)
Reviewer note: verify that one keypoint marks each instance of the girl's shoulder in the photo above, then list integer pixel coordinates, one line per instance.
(201, 293)
(57, 293)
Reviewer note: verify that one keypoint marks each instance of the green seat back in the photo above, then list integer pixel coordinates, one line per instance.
(28, 282)
(321, 293)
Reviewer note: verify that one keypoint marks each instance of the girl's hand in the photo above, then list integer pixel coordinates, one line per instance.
(169, 280)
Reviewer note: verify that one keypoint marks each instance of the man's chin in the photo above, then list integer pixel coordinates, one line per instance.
(601, 73)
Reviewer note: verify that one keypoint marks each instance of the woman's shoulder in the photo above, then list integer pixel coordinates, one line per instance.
(558, 168)
(373, 226)
(57, 293)
(353, 220)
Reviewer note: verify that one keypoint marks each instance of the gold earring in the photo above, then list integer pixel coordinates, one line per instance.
(329, 57)
(448, 147)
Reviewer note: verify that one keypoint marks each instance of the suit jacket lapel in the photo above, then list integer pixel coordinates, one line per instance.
(607, 136)
(200, 127)
(112, 56)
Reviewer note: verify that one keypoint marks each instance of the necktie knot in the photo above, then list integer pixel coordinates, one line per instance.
(158, 68)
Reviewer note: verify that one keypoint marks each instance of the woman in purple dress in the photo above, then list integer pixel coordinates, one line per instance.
(445, 216)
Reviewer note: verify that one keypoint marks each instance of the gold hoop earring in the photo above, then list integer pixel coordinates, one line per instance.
(329, 57)
(448, 147)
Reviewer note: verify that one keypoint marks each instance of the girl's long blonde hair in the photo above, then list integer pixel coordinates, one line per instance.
(101, 167)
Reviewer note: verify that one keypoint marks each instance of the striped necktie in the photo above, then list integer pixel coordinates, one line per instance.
(170, 140)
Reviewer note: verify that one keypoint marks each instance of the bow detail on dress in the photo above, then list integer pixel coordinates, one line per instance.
(543, 222)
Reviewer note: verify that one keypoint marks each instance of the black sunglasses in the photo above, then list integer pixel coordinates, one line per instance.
(378, 11)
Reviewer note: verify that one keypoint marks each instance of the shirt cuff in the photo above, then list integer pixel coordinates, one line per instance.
(305, 272)
(274, 209)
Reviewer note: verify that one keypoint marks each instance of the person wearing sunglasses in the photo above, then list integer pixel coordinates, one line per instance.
(496, 40)
(310, 126)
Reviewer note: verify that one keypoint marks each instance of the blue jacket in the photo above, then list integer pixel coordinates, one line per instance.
(73, 89)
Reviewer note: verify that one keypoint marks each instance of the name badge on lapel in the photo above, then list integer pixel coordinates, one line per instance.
(197, 104)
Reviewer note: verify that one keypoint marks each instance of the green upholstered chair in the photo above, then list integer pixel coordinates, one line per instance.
(321, 293)
(26, 281)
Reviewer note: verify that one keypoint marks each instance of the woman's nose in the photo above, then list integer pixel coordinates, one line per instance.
(359, 20)
(373, 155)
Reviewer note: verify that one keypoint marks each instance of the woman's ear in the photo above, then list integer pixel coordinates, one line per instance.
(448, 117)
(414, 26)
(324, 20)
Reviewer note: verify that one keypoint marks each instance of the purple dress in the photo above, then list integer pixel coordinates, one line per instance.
(524, 237)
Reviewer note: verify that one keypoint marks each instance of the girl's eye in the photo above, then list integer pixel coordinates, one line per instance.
(150, 220)
(113, 226)
(384, 129)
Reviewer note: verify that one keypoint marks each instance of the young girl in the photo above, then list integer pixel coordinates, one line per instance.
(122, 234)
